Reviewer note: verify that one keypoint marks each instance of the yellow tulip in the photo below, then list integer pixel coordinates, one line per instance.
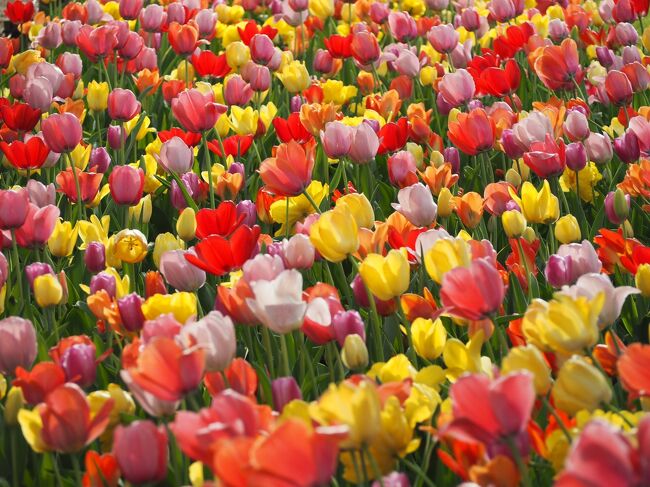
(268, 113)
(22, 61)
(579, 386)
(354, 353)
(446, 254)
(386, 277)
(165, 242)
(360, 208)
(563, 325)
(514, 223)
(537, 207)
(237, 54)
(337, 92)
(47, 290)
(243, 120)
(230, 14)
(642, 280)
(396, 433)
(429, 338)
(460, 357)
(299, 206)
(143, 129)
(31, 426)
(63, 239)
(123, 403)
(95, 230)
(97, 96)
(531, 359)
(321, 8)
(445, 203)
(335, 234)
(15, 401)
(186, 224)
(222, 126)
(184, 71)
(130, 246)
(428, 75)
(294, 77)
(645, 39)
(567, 229)
(80, 156)
(181, 304)
(141, 213)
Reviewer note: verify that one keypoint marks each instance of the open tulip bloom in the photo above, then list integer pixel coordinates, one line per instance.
(325, 242)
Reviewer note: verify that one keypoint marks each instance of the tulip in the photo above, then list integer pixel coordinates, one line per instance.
(39, 194)
(79, 364)
(627, 147)
(32, 271)
(236, 91)
(337, 139)
(294, 77)
(47, 290)
(567, 229)
(39, 382)
(141, 452)
(457, 88)
(63, 239)
(196, 111)
(18, 346)
(284, 390)
(116, 137)
(618, 88)
(261, 48)
(443, 255)
(402, 169)
(514, 223)
(576, 156)
(130, 9)
(443, 38)
(364, 47)
(299, 252)
(13, 404)
(359, 207)
(264, 267)
(579, 386)
(289, 172)
(38, 93)
(179, 273)
(335, 234)
(186, 225)
(176, 156)
(122, 105)
(354, 353)
(417, 205)
(152, 17)
(537, 207)
(130, 310)
(4, 270)
(99, 160)
(576, 126)
(278, 304)
(530, 359)
(599, 148)
(429, 338)
(386, 277)
(62, 132)
(95, 257)
(14, 208)
(130, 246)
(126, 184)
(103, 281)
(346, 323)
(215, 333)
(365, 144)
(237, 54)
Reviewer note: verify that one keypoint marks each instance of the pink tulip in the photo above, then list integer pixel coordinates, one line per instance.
(262, 49)
(599, 148)
(69, 62)
(152, 17)
(457, 88)
(38, 226)
(18, 346)
(365, 144)
(284, 390)
(407, 63)
(570, 262)
(4, 270)
(123, 105)
(417, 205)
(179, 273)
(337, 139)
(618, 88)
(215, 333)
(443, 38)
(126, 184)
(49, 37)
(402, 26)
(576, 126)
(547, 158)
(196, 112)
(502, 10)
(38, 93)
(365, 47)
(69, 31)
(141, 451)
(474, 292)
(133, 46)
(61, 131)
(14, 208)
(206, 21)
(176, 156)
(236, 91)
(48, 71)
(402, 171)
(263, 267)
(534, 128)
(17, 86)
(130, 9)
(299, 252)
(507, 403)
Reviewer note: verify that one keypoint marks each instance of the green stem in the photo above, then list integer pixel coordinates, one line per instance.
(558, 420)
(286, 371)
(311, 201)
(525, 480)
(266, 342)
(16, 262)
(80, 203)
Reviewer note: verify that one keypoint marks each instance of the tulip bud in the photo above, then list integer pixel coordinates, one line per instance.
(531, 359)
(579, 386)
(47, 290)
(186, 224)
(445, 203)
(429, 338)
(79, 364)
(99, 160)
(514, 223)
(116, 137)
(95, 257)
(345, 323)
(130, 309)
(576, 156)
(14, 403)
(642, 280)
(513, 177)
(617, 206)
(567, 229)
(284, 390)
(354, 353)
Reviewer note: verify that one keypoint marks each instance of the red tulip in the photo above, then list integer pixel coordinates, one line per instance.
(501, 82)
(291, 129)
(559, 67)
(18, 12)
(6, 51)
(196, 111)
(88, 183)
(241, 377)
(101, 470)
(163, 368)
(126, 184)
(339, 47)
(472, 133)
(235, 145)
(289, 172)
(618, 88)
(474, 292)
(67, 422)
(364, 47)
(207, 63)
(546, 158)
(252, 28)
(633, 367)
(40, 381)
(222, 221)
(172, 88)
(191, 139)
(62, 132)
(20, 117)
(393, 136)
(97, 42)
(218, 255)
(141, 452)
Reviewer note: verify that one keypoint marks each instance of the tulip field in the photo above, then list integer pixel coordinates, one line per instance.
(308, 243)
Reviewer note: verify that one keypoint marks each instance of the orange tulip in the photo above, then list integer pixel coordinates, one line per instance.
(148, 81)
(633, 368)
(387, 105)
(289, 172)
(472, 133)
(469, 208)
(439, 177)
(183, 38)
(315, 116)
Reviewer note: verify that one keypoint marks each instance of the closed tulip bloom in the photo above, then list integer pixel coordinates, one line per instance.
(152, 17)
(618, 88)
(39, 194)
(179, 273)
(130, 310)
(576, 126)
(359, 207)
(443, 38)
(237, 54)
(407, 64)
(186, 224)
(294, 77)
(335, 234)
(599, 148)
(284, 390)
(215, 333)
(445, 254)
(62, 132)
(130, 9)
(580, 386)
(18, 346)
(457, 88)
(567, 229)
(95, 257)
(183, 38)
(299, 253)
(472, 133)
(617, 206)
(474, 292)
(14, 208)
(4, 270)
(346, 323)
(126, 184)
(123, 105)
(63, 239)
(354, 353)
(364, 47)
(176, 156)
(627, 147)
(195, 111)
(417, 205)
(278, 304)
(103, 282)
(336, 139)
(563, 325)
(365, 144)
(514, 223)
(80, 364)
(531, 359)
(38, 93)
(47, 290)
(429, 338)
(386, 277)
(289, 172)
(141, 452)
(262, 49)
